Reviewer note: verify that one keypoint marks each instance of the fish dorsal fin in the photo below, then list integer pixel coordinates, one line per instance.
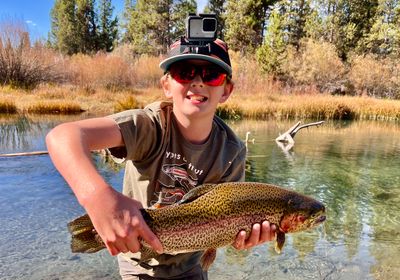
(195, 193)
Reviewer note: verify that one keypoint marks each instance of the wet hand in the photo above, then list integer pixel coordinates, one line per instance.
(259, 234)
(119, 222)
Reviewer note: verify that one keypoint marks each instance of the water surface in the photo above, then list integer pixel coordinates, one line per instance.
(352, 167)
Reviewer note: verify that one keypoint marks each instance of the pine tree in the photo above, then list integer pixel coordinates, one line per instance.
(86, 26)
(384, 36)
(64, 30)
(347, 23)
(273, 51)
(218, 7)
(180, 11)
(54, 25)
(129, 6)
(296, 14)
(108, 26)
(150, 26)
(245, 23)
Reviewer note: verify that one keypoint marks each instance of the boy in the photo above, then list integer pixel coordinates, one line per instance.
(169, 148)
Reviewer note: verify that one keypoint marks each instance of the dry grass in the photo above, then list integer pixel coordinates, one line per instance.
(253, 105)
(99, 71)
(128, 103)
(100, 102)
(318, 107)
(55, 108)
(7, 107)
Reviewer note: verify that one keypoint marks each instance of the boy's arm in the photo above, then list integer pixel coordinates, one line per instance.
(116, 217)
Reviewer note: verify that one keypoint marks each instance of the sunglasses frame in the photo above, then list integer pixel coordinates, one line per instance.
(198, 70)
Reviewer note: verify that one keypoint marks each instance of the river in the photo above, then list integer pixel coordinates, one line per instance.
(352, 167)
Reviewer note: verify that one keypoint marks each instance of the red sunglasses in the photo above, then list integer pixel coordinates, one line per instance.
(185, 72)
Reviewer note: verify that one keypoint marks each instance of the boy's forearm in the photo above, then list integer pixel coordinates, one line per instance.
(70, 154)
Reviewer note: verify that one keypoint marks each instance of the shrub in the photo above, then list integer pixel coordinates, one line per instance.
(375, 77)
(317, 63)
(129, 102)
(146, 71)
(23, 65)
(100, 71)
(248, 77)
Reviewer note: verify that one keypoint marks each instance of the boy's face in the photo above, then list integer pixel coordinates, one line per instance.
(194, 97)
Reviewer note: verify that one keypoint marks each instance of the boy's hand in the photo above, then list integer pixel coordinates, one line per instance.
(119, 222)
(259, 234)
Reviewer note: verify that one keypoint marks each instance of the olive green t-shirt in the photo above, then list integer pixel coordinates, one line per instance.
(162, 166)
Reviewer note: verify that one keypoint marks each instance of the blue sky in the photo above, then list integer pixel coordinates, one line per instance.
(36, 13)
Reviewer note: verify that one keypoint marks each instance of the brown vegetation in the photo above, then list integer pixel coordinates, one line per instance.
(21, 64)
(55, 108)
(7, 107)
(39, 80)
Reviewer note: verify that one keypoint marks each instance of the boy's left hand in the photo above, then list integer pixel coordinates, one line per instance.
(260, 233)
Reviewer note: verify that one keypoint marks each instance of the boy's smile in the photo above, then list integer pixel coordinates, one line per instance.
(195, 98)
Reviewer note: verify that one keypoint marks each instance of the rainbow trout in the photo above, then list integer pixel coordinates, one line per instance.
(211, 215)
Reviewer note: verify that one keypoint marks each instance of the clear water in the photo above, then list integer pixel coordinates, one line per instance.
(351, 167)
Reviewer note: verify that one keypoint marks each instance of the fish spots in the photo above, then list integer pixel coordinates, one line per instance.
(214, 219)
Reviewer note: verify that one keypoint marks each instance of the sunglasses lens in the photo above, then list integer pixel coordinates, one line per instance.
(213, 76)
(185, 73)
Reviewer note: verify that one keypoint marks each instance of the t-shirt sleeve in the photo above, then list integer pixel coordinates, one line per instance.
(139, 132)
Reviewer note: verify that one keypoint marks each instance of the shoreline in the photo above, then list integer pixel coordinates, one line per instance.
(260, 106)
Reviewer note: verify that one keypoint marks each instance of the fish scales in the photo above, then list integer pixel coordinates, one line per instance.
(210, 216)
(216, 217)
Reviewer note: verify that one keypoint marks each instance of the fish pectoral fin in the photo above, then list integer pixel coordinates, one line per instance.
(280, 241)
(195, 193)
(208, 258)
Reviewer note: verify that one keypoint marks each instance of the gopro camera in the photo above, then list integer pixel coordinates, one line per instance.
(201, 28)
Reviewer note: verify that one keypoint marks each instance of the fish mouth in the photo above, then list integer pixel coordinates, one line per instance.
(319, 220)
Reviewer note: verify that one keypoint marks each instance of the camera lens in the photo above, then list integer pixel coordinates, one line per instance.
(209, 25)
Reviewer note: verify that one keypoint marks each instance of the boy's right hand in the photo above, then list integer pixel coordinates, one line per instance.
(119, 222)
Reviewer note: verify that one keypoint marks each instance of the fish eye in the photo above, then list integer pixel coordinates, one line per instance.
(314, 215)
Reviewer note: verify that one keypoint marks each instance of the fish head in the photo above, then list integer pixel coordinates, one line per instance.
(302, 213)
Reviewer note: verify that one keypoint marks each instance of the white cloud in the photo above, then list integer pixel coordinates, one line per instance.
(29, 22)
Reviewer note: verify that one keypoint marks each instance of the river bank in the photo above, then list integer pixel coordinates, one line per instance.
(242, 105)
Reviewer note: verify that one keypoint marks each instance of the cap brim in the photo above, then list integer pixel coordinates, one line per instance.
(166, 63)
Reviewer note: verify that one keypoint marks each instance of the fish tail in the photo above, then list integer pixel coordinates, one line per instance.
(85, 238)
